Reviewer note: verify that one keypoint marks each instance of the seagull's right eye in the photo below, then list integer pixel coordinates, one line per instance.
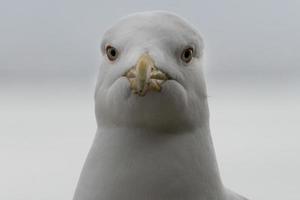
(187, 54)
(111, 53)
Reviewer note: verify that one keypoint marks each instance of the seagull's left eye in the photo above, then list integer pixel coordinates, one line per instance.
(111, 52)
(187, 54)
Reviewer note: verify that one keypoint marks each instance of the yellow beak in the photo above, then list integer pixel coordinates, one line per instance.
(144, 76)
(143, 70)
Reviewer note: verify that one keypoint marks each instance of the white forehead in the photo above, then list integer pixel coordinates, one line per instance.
(155, 27)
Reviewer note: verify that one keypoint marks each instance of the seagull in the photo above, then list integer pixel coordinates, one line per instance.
(153, 139)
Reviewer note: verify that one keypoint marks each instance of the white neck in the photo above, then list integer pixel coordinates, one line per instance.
(142, 164)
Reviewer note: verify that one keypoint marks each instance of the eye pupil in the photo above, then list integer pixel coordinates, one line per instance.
(187, 55)
(111, 53)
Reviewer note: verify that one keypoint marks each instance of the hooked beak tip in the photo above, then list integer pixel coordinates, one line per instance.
(144, 76)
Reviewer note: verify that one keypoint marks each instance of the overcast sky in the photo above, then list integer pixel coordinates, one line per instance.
(53, 38)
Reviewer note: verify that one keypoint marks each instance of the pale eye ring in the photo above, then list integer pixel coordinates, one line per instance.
(187, 54)
(111, 52)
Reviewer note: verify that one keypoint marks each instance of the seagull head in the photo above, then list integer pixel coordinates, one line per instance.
(151, 74)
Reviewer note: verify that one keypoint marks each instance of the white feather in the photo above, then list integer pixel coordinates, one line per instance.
(156, 147)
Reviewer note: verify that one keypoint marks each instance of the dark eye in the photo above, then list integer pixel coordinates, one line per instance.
(112, 53)
(187, 55)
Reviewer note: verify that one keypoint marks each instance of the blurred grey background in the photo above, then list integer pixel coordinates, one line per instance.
(49, 54)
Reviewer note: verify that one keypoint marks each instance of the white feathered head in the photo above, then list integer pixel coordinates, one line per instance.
(151, 74)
